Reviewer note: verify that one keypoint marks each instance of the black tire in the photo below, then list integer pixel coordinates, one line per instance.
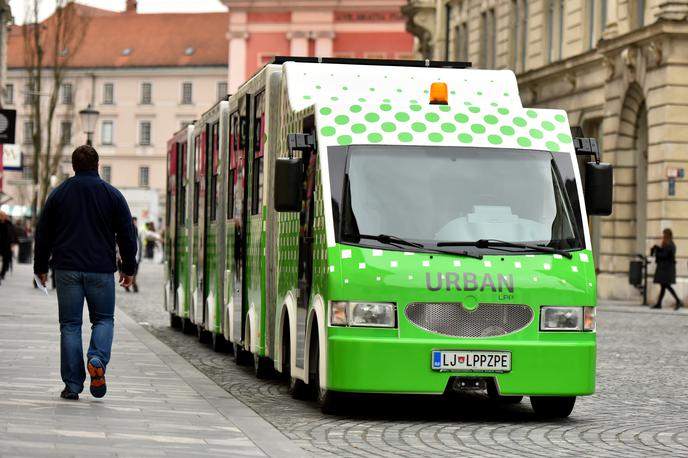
(552, 407)
(219, 343)
(175, 321)
(500, 399)
(188, 327)
(328, 400)
(204, 336)
(299, 390)
(241, 356)
(263, 367)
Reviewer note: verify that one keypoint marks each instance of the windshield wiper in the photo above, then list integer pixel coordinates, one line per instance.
(488, 243)
(386, 239)
(394, 240)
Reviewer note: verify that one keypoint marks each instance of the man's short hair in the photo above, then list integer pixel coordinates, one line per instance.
(84, 158)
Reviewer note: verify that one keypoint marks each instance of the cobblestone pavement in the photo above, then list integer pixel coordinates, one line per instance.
(157, 403)
(640, 408)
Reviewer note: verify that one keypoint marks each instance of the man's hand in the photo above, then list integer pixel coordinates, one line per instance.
(125, 280)
(44, 279)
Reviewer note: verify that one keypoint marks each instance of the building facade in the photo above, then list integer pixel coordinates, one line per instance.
(262, 29)
(619, 68)
(147, 75)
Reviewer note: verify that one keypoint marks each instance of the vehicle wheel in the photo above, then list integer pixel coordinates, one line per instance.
(499, 399)
(552, 406)
(188, 327)
(203, 335)
(328, 400)
(298, 389)
(241, 356)
(262, 367)
(219, 343)
(175, 321)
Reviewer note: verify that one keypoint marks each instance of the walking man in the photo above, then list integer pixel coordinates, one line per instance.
(81, 221)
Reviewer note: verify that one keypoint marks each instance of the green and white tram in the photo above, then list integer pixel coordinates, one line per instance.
(391, 227)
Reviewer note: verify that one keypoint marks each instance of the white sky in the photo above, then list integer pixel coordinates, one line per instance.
(144, 6)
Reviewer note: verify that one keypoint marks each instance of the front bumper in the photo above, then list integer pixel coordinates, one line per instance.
(556, 365)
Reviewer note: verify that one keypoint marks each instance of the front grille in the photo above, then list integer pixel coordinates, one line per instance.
(487, 320)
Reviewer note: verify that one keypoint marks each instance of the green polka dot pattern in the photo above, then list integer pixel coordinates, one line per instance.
(463, 123)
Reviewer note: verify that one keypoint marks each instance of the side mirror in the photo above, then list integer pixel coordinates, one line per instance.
(288, 183)
(599, 188)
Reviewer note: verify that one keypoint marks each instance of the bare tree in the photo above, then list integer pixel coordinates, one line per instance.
(48, 49)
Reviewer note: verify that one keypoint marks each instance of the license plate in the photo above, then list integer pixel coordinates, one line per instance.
(471, 361)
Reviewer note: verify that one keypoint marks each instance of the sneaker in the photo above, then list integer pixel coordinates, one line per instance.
(69, 395)
(97, 372)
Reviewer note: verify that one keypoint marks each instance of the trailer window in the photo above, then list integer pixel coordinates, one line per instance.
(212, 141)
(197, 180)
(232, 163)
(258, 146)
(434, 194)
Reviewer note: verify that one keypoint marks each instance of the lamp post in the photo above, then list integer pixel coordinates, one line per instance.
(89, 117)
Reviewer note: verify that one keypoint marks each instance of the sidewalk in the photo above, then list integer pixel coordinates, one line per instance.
(157, 403)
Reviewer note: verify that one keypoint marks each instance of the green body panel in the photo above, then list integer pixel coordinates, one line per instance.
(399, 360)
(255, 272)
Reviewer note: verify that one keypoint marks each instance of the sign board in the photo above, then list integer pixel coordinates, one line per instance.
(8, 120)
(12, 157)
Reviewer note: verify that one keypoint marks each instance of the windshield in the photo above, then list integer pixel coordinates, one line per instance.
(438, 194)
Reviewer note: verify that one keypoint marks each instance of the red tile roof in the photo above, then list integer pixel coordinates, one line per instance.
(154, 40)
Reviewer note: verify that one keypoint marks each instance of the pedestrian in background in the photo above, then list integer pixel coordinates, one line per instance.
(665, 274)
(8, 237)
(81, 221)
(135, 285)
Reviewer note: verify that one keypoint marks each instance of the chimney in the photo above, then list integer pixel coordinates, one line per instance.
(131, 6)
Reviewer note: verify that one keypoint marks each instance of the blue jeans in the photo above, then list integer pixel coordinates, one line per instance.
(99, 291)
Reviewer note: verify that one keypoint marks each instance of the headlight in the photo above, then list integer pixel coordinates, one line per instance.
(567, 319)
(370, 314)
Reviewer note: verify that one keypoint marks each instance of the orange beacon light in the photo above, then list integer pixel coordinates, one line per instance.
(439, 94)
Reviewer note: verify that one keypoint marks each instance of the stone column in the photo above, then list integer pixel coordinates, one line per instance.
(299, 43)
(324, 44)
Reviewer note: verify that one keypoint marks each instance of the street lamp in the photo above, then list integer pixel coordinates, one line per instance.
(89, 116)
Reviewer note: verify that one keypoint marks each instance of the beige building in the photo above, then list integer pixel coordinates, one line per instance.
(619, 68)
(146, 74)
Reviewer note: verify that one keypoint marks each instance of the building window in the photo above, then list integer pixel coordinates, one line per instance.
(146, 93)
(28, 132)
(106, 132)
(519, 34)
(143, 176)
(67, 96)
(9, 94)
(145, 133)
(488, 41)
(461, 42)
(106, 173)
(187, 93)
(637, 13)
(108, 94)
(596, 12)
(65, 133)
(221, 90)
(555, 29)
(28, 94)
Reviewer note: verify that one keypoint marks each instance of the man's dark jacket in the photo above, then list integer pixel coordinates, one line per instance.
(79, 225)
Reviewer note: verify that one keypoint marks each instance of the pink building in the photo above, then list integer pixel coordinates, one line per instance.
(261, 29)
